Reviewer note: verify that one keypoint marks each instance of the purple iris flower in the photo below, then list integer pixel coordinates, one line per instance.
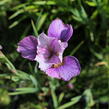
(48, 51)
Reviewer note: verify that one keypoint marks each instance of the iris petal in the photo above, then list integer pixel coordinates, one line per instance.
(60, 31)
(69, 69)
(28, 47)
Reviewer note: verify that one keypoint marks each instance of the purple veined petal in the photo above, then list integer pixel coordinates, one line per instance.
(69, 69)
(53, 72)
(44, 40)
(49, 50)
(60, 30)
(42, 53)
(66, 33)
(28, 47)
(55, 28)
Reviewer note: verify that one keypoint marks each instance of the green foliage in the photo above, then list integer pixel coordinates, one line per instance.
(90, 44)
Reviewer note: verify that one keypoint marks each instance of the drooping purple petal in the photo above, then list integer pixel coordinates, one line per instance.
(28, 47)
(53, 72)
(60, 30)
(49, 50)
(69, 69)
(56, 28)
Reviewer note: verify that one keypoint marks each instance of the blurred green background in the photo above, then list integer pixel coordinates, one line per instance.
(23, 86)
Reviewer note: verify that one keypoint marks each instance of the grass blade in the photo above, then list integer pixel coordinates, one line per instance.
(75, 50)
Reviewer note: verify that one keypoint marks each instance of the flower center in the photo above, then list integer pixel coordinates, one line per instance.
(57, 65)
(52, 53)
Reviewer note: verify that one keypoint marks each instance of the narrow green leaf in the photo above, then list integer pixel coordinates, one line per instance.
(89, 98)
(17, 93)
(7, 76)
(19, 6)
(26, 30)
(20, 91)
(61, 96)
(4, 2)
(93, 4)
(83, 13)
(44, 3)
(41, 21)
(34, 81)
(94, 14)
(23, 75)
(15, 23)
(77, 18)
(79, 15)
(26, 89)
(36, 68)
(72, 102)
(8, 63)
(34, 28)
(99, 56)
(75, 12)
(54, 98)
(75, 50)
(16, 14)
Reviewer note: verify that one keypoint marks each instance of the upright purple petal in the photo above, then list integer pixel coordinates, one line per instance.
(56, 28)
(44, 40)
(67, 70)
(28, 47)
(60, 30)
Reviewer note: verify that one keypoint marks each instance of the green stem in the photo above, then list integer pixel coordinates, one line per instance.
(54, 98)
